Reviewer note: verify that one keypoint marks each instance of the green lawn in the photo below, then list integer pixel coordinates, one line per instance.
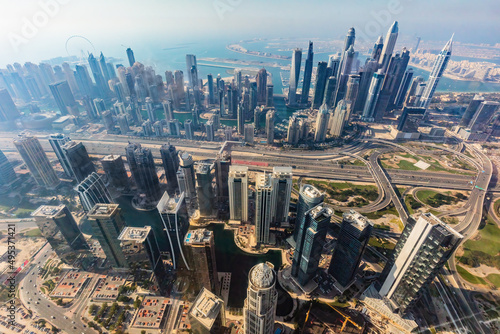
(342, 191)
(489, 241)
(469, 277)
(381, 243)
(424, 195)
(33, 233)
(496, 207)
(494, 279)
(406, 165)
(378, 214)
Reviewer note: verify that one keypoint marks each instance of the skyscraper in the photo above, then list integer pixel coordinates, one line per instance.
(270, 118)
(281, 180)
(92, 191)
(238, 193)
(186, 165)
(59, 227)
(365, 78)
(322, 121)
(200, 252)
(192, 70)
(142, 167)
(483, 116)
(188, 129)
(209, 130)
(316, 222)
(204, 188)
(207, 313)
(436, 74)
(306, 84)
(422, 250)
(259, 310)
(373, 94)
(7, 173)
(471, 110)
(8, 110)
(140, 247)
(114, 168)
(309, 197)
(339, 118)
(269, 96)
(343, 74)
(131, 57)
(174, 215)
(403, 88)
(78, 160)
(294, 76)
(293, 131)
(264, 207)
(241, 119)
(355, 231)
(319, 86)
(377, 48)
(261, 80)
(410, 119)
(64, 98)
(107, 223)
(57, 141)
(390, 42)
(222, 165)
(36, 160)
(331, 87)
(101, 83)
(249, 133)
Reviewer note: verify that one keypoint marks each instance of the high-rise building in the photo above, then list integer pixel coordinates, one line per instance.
(123, 124)
(249, 133)
(57, 141)
(7, 173)
(140, 248)
(351, 94)
(92, 191)
(306, 84)
(131, 57)
(188, 129)
(377, 48)
(471, 110)
(204, 189)
(343, 74)
(192, 71)
(410, 119)
(186, 165)
(436, 74)
(241, 119)
(78, 159)
(174, 128)
(403, 88)
(294, 76)
(483, 116)
(238, 193)
(309, 197)
(259, 310)
(114, 167)
(142, 167)
(265, 206)
(422, 250)
(316, 222)
(36, 160)
(209, 130)
(412, 98)
(293, 135)
(102, 86)
(390, 42)
(281, 180)
(320, 84)
(8, 110)
(207, 313)
(200, 252)
(322, 121)
(331, 86)
(269, 96)
(270, 118)
(222, 166)
(107, 223)
(355, 231)
(339, 118)
(174, 215)
(60, 229)
(261, 80)
(64, 98)
(373, 94)
(365, 78)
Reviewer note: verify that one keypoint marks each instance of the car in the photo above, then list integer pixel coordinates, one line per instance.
(48, 305)
(52, 317)
(65, 317)
(28, 302)
(31, 281)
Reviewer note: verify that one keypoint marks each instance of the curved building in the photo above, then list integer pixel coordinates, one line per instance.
(260, 305)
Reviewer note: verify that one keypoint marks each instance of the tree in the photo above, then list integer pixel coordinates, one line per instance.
(137, 303)
(143, 332)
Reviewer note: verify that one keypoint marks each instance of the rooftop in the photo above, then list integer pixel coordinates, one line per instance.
(433, 220)
(203, 168)
(321, 210)
(47, 211)
(199, 236)
(356, 219)
(263, 180)
(151, 312)
(103, 210)
(108, 287)
(206, 308)
(138, 234)
(71, 284)
(282, 172)
(169, 204)
(111, 157)
(238, 171)
(262, 275)
(310, 191)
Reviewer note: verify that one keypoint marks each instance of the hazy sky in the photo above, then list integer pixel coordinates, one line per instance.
(34, 30)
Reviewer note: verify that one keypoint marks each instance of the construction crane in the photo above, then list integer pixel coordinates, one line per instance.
(307, 317)
(346, 319)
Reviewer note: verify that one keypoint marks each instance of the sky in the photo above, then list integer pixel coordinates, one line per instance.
(33, 30)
